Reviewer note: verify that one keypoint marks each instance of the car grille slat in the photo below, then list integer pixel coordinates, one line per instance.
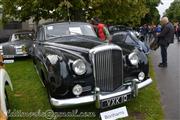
(8, 50)
(108, 72)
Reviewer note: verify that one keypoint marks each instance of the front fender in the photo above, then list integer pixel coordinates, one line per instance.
(4, 78)
(57, 74)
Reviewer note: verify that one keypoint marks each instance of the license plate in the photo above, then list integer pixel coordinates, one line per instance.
(115, 100)
(114, 114)
(8, 61)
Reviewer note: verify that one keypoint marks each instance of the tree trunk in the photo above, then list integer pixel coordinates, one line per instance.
(36, 25)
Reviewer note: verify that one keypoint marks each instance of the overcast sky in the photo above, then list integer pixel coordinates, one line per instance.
(162, 7)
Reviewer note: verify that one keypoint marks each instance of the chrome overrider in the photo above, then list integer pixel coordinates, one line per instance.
(97, 97)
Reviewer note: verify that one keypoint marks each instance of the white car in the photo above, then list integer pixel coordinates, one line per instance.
(4, 80)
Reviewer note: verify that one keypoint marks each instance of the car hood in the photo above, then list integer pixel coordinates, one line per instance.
(19, 42)
(143, 46)
(75, 43)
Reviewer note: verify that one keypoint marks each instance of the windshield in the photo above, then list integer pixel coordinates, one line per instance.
(22, 36)
(59, 30)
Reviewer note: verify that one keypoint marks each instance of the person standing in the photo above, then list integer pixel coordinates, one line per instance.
(177, 31)
(166, 36)
(101, 29)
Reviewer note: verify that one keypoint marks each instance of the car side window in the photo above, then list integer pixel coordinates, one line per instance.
(40, 34)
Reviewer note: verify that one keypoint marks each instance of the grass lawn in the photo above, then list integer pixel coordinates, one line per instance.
(29, 98)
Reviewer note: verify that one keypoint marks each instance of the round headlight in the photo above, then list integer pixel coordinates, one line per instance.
(77, 90)
(133, 58)
(79, 67)
(141, 76)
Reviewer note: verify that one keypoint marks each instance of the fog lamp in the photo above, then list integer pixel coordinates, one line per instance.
(77, 90)
(141, 76)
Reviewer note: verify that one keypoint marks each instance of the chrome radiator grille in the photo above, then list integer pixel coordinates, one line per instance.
(108, 68)
(8, 50)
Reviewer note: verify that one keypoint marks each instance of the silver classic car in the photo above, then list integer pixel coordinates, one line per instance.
(18, 45)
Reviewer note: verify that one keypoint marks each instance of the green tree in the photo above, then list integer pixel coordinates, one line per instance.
(173, 12)
(37, 9)
(120, 12)
(152, 17)
(128, 12)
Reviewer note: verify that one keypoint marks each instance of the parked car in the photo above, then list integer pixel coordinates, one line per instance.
(127, 38)
(76, 68)
(116, 28)
(18, 45)
(4, 80)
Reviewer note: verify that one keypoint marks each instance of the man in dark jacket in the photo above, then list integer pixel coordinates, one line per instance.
(165, 38)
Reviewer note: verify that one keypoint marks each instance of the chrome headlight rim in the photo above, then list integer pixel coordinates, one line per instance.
(79, 70)
(133, 58)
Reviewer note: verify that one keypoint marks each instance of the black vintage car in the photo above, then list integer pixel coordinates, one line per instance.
(76, 68)
(128, 38)
(123, 36)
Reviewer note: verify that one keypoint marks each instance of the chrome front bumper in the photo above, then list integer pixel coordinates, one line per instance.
(61, 103)
(15, 56)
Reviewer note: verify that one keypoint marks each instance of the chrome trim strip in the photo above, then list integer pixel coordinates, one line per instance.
(72, 101)
(18, 47)
(13, 56)
(97, 97)
(103, 48)
(144, 83)
(128, 90)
